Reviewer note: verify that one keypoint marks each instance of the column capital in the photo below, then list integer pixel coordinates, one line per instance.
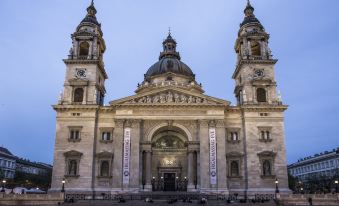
(119, 122)
(132, 123)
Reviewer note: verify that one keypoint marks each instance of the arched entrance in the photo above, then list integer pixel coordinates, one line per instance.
(169, 159)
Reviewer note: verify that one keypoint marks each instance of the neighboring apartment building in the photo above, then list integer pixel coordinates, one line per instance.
(10, 164)
(7, 164)
(36, 168)
(325, 164)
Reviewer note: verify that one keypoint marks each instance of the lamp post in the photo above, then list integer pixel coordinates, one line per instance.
(63, 186)
(336, 186)
(3, 185)
(276, 185)
(299, 187)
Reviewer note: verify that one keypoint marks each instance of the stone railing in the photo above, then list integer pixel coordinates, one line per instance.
(309, 199)
(31, 199)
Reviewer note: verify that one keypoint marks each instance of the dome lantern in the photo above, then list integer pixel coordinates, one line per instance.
(169, 61)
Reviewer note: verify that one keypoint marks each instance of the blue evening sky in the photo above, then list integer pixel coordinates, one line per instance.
(35, 37)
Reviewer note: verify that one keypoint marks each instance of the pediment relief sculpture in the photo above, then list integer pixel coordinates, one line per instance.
(170, 97)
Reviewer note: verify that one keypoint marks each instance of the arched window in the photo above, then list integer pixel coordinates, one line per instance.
(104, 169)
(255, 48)
(84, 48)
(261, 95)
(78, 95)
(234, 169)
(267, 169)
(72, 167)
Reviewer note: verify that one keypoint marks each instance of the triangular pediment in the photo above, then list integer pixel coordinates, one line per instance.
(170, 96)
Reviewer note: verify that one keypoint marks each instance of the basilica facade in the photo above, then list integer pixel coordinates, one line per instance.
(170, 135)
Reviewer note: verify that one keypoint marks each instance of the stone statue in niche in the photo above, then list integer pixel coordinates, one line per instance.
(266, 168)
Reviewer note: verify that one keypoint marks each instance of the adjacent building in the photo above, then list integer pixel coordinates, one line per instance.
(35, 168)
(324, 165)
(10, 164)
(170, 135)
(7, 164)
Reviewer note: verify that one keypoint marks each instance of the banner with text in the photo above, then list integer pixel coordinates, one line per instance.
(126, 155)
(213, 156)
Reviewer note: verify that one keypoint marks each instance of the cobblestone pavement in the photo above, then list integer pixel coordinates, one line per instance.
(161, 202)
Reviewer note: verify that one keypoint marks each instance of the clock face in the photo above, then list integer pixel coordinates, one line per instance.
(259, 73)
(80, 73)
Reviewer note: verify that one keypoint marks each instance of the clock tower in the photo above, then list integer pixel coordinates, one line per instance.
(85, 73)
(254, 73)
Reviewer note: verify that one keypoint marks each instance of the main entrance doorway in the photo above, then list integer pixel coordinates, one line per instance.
(168, 160)
(169, 181)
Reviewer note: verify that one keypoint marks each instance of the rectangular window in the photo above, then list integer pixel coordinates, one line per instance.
(106, 136)
(74, 134)
(265, 134)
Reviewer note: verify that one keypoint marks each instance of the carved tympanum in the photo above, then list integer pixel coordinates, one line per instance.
(169, 97)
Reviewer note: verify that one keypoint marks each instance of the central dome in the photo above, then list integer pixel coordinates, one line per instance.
(169, 61)
(169, 64)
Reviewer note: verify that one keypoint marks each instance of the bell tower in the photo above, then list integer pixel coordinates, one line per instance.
(85, 74)
(254, 73)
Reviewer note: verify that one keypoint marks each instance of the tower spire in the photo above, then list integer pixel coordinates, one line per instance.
(249, 9)
(91, 11)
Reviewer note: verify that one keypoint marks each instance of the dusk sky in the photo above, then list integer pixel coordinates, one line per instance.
(35, 37)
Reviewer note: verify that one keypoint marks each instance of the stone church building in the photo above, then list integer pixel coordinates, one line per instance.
(170, 135)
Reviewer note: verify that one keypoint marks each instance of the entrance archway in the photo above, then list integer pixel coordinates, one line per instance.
(169, 159)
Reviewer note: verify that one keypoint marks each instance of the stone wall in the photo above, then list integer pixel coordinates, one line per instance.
(31, 199)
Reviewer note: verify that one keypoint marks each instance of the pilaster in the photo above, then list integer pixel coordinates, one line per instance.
(117, 161)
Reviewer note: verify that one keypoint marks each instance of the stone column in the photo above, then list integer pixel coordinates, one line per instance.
(75, 48)
(90, 50)
(221, 152)
(204, 157)
(148, 170)
(117, 160)
(190, 170)
(84, 97)
(134, 157)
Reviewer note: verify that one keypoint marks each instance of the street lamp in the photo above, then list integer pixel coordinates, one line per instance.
(276, 185)
(63, 185)
(299, 186)
(336, 186)
(3, 185)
